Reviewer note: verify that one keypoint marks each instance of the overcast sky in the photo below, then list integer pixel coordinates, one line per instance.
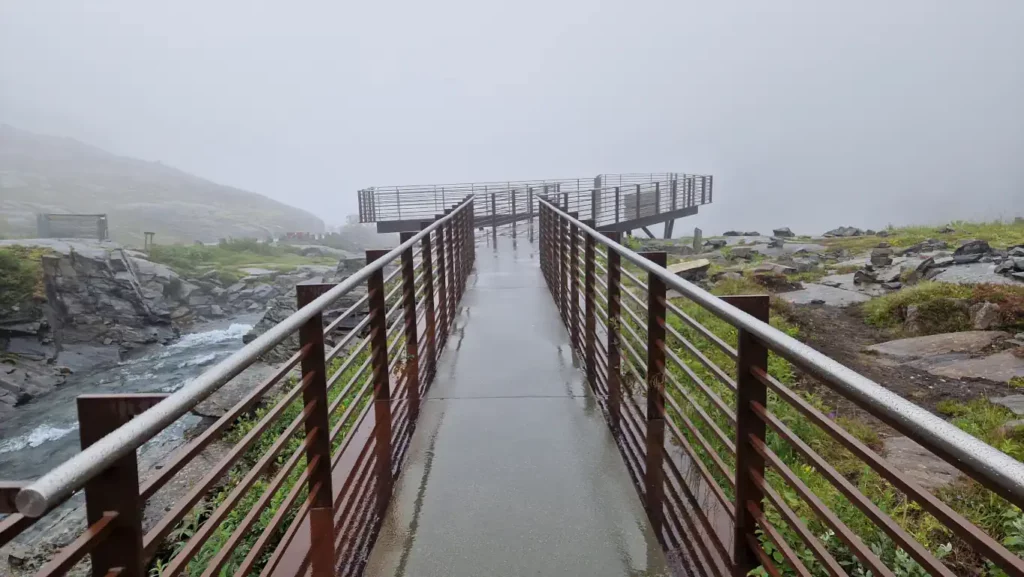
(810, 114)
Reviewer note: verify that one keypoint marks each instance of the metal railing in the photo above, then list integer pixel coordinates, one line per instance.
(305, 483)
(718, 447)
(607, 199)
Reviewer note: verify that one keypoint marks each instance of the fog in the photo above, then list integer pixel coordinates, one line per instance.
(810, 114)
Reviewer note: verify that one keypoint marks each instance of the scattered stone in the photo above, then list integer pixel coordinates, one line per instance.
(691, 270)
(844, 231)
(817, 301)
(978, 247)
(776, 242)
(893, 286)
(783, 232)
(715, 243)
(216, 311)
(776, 282)
(947, 230)
(985, 316)
(1011, 428)
(1016, 251)
(732, 233)
(882, 233)
(919, 464)
(751, 233)
(869, 232)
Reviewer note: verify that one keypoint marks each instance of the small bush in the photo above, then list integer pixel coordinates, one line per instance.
(891, 310)
(21, 275)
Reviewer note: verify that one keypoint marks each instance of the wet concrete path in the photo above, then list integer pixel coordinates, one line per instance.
(512, 469)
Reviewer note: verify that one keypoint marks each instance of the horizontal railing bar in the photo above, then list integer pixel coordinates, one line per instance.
(961, 526)
(676, 508)
(700, 384)
(344, 342)
(274, 524)
(72, 474)
(75, 551)
(981, 461)
(716, 370)
(290, 532)
(773, 535)
(704, 331)
(348, 312)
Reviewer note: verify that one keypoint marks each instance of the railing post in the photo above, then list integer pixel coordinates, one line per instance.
(618, 200)
(614, 311)
(442, 289)
(574, 286)
(494, 218)
(638, 201)
(116, 489)
(563, 272)
(675, 192)
(657, 198)
(430, 330)
(654, 482)
(751, 354)
(381, 381)
(589, 313)
(412, 345)
(317, 426)
(453, 266)
(513, 193)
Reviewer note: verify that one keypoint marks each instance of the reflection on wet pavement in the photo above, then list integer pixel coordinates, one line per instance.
(512, 470)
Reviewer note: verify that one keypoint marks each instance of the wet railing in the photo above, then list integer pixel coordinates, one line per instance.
(310, 453)
(738, 470)
(608, 199)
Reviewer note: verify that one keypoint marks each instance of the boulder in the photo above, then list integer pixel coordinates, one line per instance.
(726, 275)
(844, 231)
(864, 277)
(783, 232)
(970, 247)
(714, 244)
(1016, 251)
(744, 252)
(882, 233)
(869, 232)
(881, 256)
(263, 291)
(925, 246)
(776, 242)
(985, 316)
(691, 270)
(947, 230)
(732, 233)
(774, 268)
(751, 233)
(1007, 266)
(966, 258)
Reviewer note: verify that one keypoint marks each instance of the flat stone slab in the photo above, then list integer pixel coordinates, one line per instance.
(845, 282)
(919, 464)
(1013, 402)
(1000, 367)
(933, 345)
(979, 272)
(832, 296)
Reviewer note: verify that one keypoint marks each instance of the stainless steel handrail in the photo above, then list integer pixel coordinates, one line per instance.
(71, 475)
(999, 471)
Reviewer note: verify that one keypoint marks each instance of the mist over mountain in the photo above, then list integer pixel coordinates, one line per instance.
(40, 173)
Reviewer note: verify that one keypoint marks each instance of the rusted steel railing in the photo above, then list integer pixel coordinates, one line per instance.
(608, 199)
(718, 447)
(308, 471)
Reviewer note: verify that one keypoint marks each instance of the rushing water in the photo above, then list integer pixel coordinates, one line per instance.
(43, 433)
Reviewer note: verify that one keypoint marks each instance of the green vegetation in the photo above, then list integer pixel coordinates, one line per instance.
(942, 307)
(994, 515)
(201, 512)
(229, 257)
(998, 234)
(21, 275)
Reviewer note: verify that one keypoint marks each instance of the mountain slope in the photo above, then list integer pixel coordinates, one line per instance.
(41, 173)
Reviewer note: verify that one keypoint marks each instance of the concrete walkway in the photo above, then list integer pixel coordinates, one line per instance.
(512, 469)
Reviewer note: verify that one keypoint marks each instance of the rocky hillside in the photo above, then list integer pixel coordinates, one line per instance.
(48, 174)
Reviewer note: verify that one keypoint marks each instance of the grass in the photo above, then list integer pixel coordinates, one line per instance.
(941, 306)
(998, 234)
(228, 258)
(21, 275)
